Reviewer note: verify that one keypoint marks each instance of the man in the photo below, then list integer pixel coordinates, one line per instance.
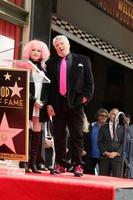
(111, 147)
(93, 151)
(65, 104)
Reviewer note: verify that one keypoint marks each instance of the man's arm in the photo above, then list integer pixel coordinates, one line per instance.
(88, 88)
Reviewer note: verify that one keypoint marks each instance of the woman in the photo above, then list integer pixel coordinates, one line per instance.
(37, 52)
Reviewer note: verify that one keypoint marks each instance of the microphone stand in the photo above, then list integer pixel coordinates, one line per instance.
(125, 162)
(6, 50)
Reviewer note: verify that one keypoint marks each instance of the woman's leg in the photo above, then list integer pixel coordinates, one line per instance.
(35, 143)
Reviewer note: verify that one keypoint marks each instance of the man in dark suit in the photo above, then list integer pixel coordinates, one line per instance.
(111, 147)
(66, 106)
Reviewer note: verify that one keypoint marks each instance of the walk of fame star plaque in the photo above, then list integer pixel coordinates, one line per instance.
(14, 113)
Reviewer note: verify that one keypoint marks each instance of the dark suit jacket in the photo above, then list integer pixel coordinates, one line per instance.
(79, 80)
(107, 144)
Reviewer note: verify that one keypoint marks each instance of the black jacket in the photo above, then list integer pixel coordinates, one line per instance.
(79, 80)
(106, 143)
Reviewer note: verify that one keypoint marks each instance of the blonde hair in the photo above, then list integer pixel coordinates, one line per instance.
(41, 45)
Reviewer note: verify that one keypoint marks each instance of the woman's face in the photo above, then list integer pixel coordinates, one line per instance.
(36, 53)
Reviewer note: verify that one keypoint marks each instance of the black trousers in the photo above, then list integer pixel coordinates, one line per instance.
(68, 121)
(110, 167)
(92, 162)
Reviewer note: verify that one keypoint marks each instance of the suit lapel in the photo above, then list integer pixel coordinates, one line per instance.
(72, 68)
(58, 71)
(55, 70)
(108, 131)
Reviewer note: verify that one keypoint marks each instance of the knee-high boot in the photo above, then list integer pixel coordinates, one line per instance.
(40, 162)
(26, 164)
(35, 143)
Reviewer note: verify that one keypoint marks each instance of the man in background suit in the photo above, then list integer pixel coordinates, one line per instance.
(66, 107)
(111, 147)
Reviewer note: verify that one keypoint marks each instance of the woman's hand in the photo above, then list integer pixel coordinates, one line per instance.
(38, 104)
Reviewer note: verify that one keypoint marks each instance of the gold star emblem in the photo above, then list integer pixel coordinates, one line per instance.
(16, 90)
(7, 76)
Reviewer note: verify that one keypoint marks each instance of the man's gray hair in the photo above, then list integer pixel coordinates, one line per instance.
(60, 37)
(100, 111)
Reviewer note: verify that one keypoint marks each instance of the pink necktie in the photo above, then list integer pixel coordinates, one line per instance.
(63, 81)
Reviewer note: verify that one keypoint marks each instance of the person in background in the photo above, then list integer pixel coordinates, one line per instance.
(93, 151)
(86, 126)
(129, 147)
(71, 88)
(37, 52)
(111, 147)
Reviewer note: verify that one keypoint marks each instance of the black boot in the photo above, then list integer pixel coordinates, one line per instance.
(40, 162)
(27, 164)
(23, 164)
(35, 143)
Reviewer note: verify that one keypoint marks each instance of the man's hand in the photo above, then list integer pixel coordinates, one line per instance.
(84, 100)
(114, 154)
(111, 154)
(50, 110)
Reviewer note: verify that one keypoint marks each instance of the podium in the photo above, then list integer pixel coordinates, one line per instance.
(14, 114)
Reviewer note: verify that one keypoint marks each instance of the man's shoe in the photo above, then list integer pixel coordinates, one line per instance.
(78, 171)
(42, 167)
(58, 170)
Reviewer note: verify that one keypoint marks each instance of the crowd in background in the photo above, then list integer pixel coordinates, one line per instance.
(92, 160)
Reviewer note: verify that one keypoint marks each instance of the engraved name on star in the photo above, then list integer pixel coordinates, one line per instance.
(7, 76)
(7, 134)
(16, 90)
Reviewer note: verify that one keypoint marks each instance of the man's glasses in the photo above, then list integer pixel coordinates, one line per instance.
(103, 115)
